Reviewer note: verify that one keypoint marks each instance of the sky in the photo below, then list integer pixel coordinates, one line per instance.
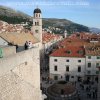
(85, 12)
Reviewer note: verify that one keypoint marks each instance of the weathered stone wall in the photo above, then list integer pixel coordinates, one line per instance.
(20, 76)
(8, 50)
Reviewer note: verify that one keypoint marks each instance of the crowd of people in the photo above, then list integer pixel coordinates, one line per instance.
(89, 89)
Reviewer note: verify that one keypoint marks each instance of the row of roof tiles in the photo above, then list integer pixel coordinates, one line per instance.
(49, 37)
(86, 36)
(76, 48)
(5, 27)
(70, 51)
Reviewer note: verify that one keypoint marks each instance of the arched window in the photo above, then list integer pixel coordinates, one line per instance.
(36, 15)
(37, 23)
(39, 15)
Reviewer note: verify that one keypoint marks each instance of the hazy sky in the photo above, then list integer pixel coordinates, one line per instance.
(86, 12)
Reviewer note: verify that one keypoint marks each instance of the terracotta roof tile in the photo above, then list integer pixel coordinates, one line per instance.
(93, 49)
(72, 42)
(48, 37)
(70, 51)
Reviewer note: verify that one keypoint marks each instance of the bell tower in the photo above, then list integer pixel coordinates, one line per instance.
(65, 34)
(37, 24)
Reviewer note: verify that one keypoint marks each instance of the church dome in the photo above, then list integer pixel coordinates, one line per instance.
(37, 10)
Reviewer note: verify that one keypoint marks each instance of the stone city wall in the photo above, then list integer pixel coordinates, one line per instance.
(20, 76)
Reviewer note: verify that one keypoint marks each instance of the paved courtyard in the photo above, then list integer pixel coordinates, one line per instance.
(85, 91)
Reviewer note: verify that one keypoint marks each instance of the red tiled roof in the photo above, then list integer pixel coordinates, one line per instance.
(63, 52)
(47, 37)
(72, 42)
(93, 49)
(85, 36)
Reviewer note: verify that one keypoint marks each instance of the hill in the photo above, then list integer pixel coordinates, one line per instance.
(94, 30)
(59, 25)
(12, 16)
(51, 24)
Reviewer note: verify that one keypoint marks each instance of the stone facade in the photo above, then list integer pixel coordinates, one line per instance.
(92, 64)
(66, 70)
(20, 76)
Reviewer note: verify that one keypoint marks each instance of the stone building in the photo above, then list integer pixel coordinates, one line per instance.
(67, 64)
(92, 52)
(75, 60)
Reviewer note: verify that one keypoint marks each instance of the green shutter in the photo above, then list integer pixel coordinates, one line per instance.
(1, 53)
(97, 72)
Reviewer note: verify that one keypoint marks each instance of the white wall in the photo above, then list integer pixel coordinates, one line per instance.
(73, 66)
(3, 42)
(93, 67)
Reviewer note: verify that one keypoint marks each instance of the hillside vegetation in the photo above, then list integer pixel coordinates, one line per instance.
(53, 24)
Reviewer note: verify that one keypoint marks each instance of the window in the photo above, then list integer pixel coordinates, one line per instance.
(67, 60)
(55, 60)
(55, 68)
(38, 23)
(35, 23)
(89, 57)
(68, 52)
(55, 77)
(97, 72)
(67, 68)
(98, 57)
(89, 65)
(80, 52)
(36, 15)
(72, 76)
(97, 64)
(79, 68)
(79, 60)
(36, 31)
(89, 72)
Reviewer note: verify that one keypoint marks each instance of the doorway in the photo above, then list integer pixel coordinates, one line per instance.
(67, 78)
